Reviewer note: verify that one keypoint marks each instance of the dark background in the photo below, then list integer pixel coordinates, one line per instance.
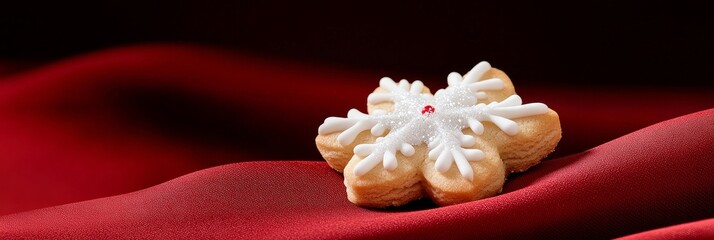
(587, 44)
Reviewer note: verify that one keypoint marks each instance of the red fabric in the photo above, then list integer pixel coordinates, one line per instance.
(113, 122)
(703, 229)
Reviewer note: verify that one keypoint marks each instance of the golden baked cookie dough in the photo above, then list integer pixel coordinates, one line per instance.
(496, 151)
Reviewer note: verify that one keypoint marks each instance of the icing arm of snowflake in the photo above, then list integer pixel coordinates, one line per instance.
(471, 80)
(372, 154)
(394, 89)
(501, 113)
(352, 125)
(451, 147)
(383, 150)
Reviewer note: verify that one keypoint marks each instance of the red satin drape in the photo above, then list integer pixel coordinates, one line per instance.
(128, 139)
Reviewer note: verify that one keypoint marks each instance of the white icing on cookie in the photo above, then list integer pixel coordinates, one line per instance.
(436, 120)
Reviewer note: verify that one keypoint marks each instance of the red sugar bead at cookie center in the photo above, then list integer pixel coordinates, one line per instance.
(427, 110)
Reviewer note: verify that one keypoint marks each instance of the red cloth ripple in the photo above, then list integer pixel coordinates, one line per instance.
(121, 120)
(602, 193)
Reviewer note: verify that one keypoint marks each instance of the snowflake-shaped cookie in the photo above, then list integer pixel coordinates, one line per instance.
(456, 145)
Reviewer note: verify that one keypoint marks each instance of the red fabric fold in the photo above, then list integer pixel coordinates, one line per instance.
(126, 119)
(703, 229)
(648, 179)
(121, 120)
